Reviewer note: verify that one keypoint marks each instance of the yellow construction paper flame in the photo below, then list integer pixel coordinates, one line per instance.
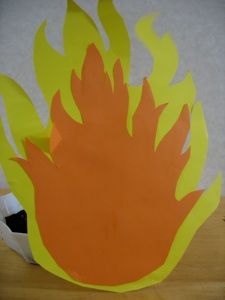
(53, 72)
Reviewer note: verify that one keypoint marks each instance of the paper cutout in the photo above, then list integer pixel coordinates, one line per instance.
(22, 187)
(79, 31)
(20, 112)
(199, 147)
(108, 201)
(53, 73)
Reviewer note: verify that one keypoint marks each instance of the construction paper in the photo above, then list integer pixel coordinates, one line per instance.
(119, 41)
(22, 188)
(53, 69)
(198, 155)
(102, 235)
(119, 112)
(20, 112)
(165, 65)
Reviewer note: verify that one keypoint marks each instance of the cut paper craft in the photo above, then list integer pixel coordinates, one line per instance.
(113, 219)
(110, 193)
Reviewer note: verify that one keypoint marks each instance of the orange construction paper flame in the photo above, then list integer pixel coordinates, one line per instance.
(112, 193)
(108, 187)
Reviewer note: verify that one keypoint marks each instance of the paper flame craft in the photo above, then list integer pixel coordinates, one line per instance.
(110, 194)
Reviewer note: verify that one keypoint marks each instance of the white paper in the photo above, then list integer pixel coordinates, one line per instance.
(14, 240)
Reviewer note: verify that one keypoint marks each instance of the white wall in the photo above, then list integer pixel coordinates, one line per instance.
(198, 28)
